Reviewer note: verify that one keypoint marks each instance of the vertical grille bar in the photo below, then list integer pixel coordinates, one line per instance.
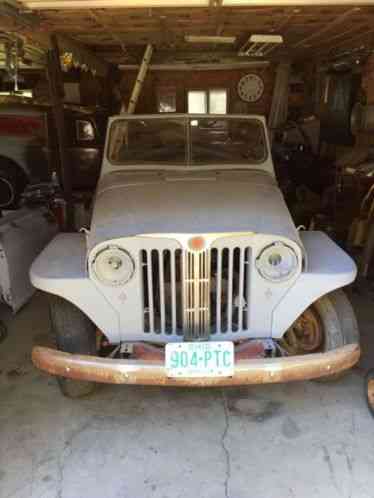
(162, 290)
(195, 263)
(241, 289)
(173, 293)
(150, 292)
(187, 298)
(229, 290)
(248, 255)
(218, 290)
(206, 293)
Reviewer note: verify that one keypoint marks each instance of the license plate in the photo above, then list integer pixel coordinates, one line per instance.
(200, 359)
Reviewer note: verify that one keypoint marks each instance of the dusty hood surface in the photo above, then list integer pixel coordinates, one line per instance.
(129, 204)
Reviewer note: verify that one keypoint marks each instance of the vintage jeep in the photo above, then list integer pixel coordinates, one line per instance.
(193, 267)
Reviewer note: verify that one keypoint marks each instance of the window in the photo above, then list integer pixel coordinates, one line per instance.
(167, 99)
(212, 101)
(85, 131)
(20, 93)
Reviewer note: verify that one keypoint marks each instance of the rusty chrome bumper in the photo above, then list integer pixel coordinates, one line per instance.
(256, 371)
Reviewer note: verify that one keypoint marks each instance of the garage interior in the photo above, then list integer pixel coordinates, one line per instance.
(308, 68)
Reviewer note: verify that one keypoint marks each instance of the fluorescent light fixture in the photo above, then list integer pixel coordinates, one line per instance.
(209, 39)
(109, 4)
(260, 45)
(266, 39)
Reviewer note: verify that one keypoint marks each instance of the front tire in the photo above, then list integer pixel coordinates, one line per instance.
(340, 324)
(369, 390)
(72, 332)
(338, 319)
(12, 184)
(328, 324)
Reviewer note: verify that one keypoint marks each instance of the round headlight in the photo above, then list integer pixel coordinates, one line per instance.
(113, 266)
(277, 262)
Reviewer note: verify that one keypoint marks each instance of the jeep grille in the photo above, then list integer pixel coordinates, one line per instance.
(196, 294)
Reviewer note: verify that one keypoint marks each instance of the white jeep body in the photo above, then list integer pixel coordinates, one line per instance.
(178, 290)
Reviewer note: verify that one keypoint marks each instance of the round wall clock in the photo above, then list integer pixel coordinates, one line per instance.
(251, 87)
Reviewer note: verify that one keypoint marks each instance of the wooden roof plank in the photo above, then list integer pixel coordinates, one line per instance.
(337, 22)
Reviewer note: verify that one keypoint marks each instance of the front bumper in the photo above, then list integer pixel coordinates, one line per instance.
(255, 371)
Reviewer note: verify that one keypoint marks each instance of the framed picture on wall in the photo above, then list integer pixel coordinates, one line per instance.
(167, 99)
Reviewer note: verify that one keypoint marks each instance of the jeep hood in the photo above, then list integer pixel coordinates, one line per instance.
(129, 204)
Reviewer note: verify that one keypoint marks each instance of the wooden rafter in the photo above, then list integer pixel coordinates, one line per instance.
(346, 34)
(358, 38)
(329, 27)
(224, 65)
(107, 29)
(286, 20)
(31, 27)
(169, 38)
(119, 35)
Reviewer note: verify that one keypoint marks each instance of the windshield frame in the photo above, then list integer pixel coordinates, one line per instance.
(110, 165)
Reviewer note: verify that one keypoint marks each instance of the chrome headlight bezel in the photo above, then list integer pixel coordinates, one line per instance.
(277, 262)
(113, 266)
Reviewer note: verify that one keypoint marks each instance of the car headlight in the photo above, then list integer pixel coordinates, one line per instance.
(113, 266)
(277, 262)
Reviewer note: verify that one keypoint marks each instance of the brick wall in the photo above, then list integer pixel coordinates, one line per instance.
(185, 80)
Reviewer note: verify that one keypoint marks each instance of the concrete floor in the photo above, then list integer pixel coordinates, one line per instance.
(299, 440)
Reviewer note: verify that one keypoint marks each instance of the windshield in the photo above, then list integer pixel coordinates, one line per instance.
(187, 141)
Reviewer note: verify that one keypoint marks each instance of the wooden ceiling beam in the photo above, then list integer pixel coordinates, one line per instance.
(357, 38)
(142, 4)
(331, 39)
(212, 66)
(342, 18)
(86, 26)
(286, 20)
(30, 26)
(117, 34)
(108, 29)
(24, 24)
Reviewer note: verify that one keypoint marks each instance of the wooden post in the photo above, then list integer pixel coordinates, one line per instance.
(56, 88)
(111, 79)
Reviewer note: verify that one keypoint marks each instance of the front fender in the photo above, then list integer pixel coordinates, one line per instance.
(329, 268)
(61, 270)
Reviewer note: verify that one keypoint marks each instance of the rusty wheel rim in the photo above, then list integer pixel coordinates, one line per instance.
(305, 336)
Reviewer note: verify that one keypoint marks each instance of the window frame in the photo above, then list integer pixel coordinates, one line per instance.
(167, 89)
(78, 138)
(207, 92)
